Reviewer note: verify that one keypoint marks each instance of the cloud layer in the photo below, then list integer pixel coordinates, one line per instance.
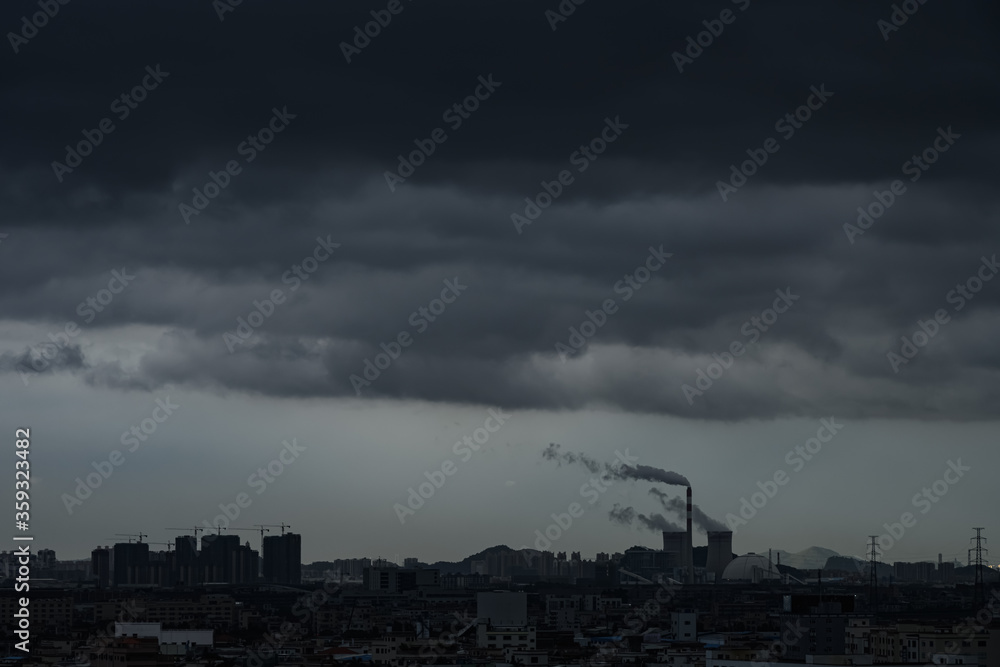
(653, 190)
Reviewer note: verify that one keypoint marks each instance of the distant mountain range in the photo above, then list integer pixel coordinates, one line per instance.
(464, 566)
(813, 558)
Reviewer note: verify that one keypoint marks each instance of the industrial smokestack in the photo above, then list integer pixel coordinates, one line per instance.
(678, 506)
(689, 547)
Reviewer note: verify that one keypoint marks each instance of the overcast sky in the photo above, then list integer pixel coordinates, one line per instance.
(728, 313)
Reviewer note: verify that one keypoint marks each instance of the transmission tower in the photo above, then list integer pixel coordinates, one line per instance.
(873, 574)
(978, 550)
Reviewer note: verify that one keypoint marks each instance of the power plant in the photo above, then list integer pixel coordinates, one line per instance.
(680, 543)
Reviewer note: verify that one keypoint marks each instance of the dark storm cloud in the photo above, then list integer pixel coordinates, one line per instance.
(46, 357)
(224, 78)
(323, 177)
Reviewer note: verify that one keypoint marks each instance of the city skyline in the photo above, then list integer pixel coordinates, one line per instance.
(796, 518)
(358, 277)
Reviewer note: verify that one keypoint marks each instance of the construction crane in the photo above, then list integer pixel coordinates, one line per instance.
(195, 530)
(263, 529)
(192, 540)
(272, 525)
(254, 530)
(167, 544)
(131, 535)
(218, 530)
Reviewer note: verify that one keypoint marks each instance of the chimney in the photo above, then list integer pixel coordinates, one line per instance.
(689, 547)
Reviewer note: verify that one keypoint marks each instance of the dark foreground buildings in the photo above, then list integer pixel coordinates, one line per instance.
(283, 559)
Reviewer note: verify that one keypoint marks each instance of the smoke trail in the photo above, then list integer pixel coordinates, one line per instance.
(553, 453)
(704, 522)
(622, 515)
(627, 516)
(650, 474)
(635, 472)
(657, 522)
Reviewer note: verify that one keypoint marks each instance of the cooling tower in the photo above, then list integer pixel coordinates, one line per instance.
(720, 552)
